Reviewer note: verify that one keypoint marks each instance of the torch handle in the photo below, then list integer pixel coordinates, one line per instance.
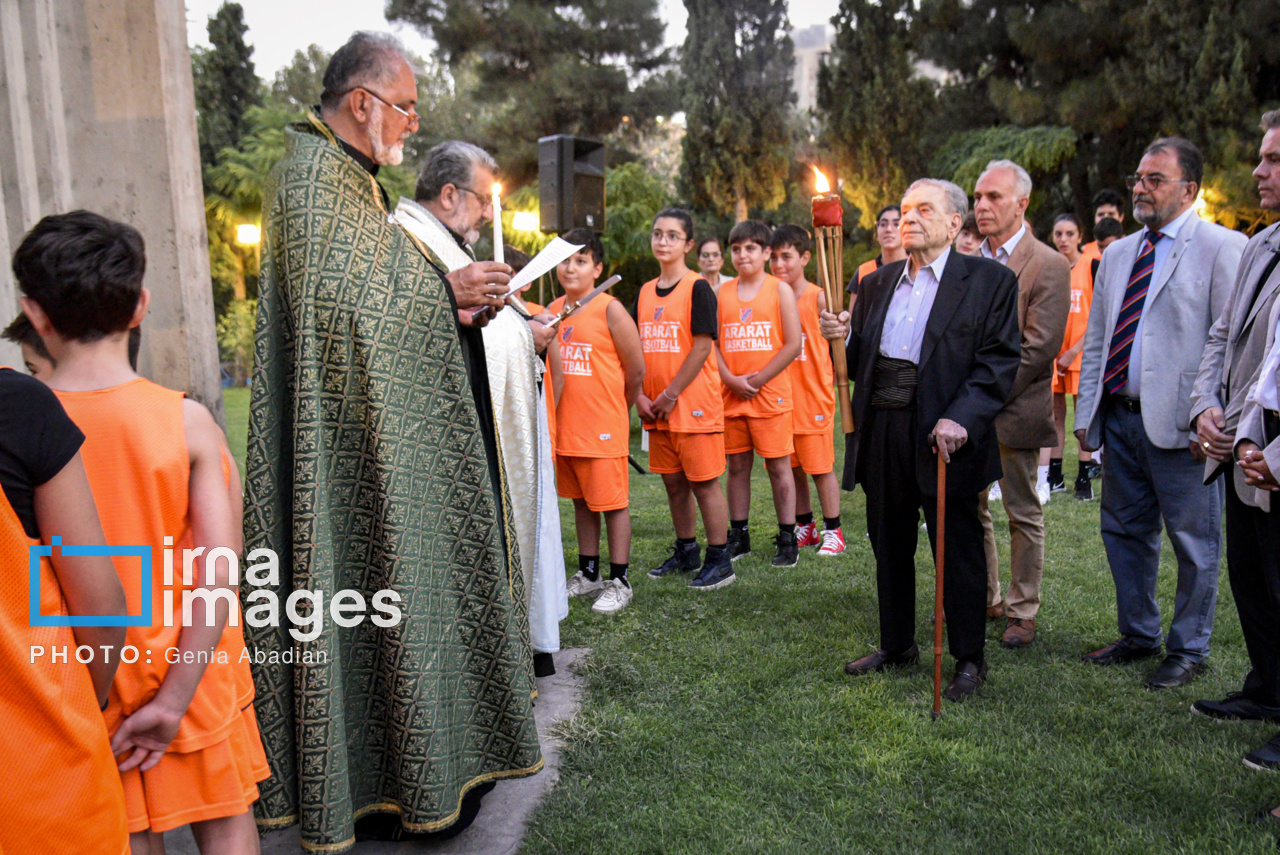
(830, 240)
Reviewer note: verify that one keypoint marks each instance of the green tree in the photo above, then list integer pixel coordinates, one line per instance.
(225, 83)
(876, 108)
(737, 65)
(577, 67)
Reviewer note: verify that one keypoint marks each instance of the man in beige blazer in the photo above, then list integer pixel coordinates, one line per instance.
(1228, 372)
(1025, 425)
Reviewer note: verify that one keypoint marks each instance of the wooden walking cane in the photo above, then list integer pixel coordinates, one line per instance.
(939, 559)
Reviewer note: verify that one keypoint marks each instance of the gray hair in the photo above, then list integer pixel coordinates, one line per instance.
(957, 199)
(1021, 179)
(451, 162)
(1271, 120)
(368, 58)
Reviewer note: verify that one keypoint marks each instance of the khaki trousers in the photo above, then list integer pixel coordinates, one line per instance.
(1026, 534)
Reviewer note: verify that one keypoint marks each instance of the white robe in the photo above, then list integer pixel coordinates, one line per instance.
(519, 405)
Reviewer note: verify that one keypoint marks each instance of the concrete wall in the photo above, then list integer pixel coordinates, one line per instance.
(97, 111)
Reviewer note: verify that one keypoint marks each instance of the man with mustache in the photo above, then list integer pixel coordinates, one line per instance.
(372, 470)
(1156, 296)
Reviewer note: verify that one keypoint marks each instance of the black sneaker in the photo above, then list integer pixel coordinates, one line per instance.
(1266, 758)
(683, 559)
(1236, 707)
(716, 572)
(739, 543)
(1058, 484)
(788, 549)
(1084, 488)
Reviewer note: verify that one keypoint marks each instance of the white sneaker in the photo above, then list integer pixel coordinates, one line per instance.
(615, 598)
(1043, 493)
(580, 586)
(995, 495)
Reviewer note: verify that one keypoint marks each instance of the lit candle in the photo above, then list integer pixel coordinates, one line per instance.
(826, 205)
(497, 223)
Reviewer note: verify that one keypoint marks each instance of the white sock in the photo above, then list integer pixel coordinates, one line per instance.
(1042, 476)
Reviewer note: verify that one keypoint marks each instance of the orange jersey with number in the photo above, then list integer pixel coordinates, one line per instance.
(666, 337)
(1081, 302)
(750, 336)
(135, 454)
(61, 791)
(812, 377)
(592, 418)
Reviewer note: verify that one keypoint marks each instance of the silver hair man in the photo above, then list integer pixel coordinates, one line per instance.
(957, 199)
(1022, 179)
(372, 66)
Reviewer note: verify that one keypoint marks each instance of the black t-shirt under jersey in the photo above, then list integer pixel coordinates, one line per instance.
(37, 439)
(704, 312)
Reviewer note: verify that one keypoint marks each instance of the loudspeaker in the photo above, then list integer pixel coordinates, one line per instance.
(570, 183)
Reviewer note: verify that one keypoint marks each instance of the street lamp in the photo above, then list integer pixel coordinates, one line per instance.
(525, 221)
(247, 234)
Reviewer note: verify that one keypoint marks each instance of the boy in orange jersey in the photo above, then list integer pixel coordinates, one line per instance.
(681, 405)
(184, 733)
(759, 338)
(596, 378)
(812, 383)
(60, 791)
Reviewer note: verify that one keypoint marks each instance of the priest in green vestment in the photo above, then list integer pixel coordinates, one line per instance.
(368, 471)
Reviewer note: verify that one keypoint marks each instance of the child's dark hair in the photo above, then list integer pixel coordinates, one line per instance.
(1107, 196)
(679, 214)
(970, 224)
(1069, 217)
(751, 231)
(517, 259)
(589, 240)
(1107, 228)
(85, 271)
(886, 209)
(20, 332)
(796, 237)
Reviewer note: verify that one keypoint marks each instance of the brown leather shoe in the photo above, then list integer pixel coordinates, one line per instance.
(1019, 634)
(879, 660)
(996, 612)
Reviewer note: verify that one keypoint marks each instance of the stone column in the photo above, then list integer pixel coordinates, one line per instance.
(97, 111)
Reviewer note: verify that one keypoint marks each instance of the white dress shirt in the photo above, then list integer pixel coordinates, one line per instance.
(908, 313)
(1164, 246)
(1267, 390)
(1005, 250)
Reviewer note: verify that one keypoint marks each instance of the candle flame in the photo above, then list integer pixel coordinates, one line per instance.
(820, 182)
(497, 189)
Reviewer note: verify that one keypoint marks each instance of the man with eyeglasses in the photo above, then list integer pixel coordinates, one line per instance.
(1156, 296)
(371, 467)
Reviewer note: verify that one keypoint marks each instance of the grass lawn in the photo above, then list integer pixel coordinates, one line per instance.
(723, 722)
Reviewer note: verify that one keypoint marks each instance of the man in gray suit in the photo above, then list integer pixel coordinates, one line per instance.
(1157, 294)
(1228, 372)
(1025, 425)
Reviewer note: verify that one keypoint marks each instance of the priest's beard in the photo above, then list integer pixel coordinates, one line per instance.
(383, 155)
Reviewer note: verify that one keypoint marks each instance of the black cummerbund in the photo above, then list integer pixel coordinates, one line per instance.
(893, 383)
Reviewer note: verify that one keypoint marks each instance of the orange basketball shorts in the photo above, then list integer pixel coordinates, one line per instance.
(602, 482)
(815, 452)
(1066, 384)
(767, 436)
(700, 456)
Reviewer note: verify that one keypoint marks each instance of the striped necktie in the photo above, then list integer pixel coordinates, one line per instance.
(1135, 296)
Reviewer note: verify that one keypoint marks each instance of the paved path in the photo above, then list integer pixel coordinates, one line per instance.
(504, 817)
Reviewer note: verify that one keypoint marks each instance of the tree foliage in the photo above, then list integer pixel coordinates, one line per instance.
(542, 68)
(225, 83)
(737, 65)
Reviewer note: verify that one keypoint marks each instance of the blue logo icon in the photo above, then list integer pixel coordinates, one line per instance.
(143, 553)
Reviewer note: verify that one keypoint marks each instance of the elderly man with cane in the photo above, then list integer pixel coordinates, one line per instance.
(933, 348)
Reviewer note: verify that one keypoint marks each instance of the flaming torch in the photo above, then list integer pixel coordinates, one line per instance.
(828, 234)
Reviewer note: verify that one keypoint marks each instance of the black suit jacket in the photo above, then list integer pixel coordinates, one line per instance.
(968, 361)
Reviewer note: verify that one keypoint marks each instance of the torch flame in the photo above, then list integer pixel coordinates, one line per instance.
(820, 182)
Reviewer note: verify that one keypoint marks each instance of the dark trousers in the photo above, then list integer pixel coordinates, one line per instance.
(1253, 566)
(888, 475)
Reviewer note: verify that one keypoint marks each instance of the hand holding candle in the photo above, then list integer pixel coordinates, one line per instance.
(497, 224)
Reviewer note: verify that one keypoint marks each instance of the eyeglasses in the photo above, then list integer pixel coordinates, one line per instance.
(708, 255)
(1151, 182)
(667, 237)
(410, 115)
(485, 201)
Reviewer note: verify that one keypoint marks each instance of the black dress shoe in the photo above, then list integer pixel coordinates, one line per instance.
(1173, 672)
(1236, 707)
(968, 678)
(879, 660)
(1123, 650)
(1265, 758)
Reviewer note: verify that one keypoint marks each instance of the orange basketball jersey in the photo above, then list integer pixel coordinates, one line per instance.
(812, 377)
(750, 335)
(135, 454)
(60, 791)
(591, 417)
(1081, 302)
(666, 337)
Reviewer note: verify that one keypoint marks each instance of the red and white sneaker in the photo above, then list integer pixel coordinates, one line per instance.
(807, 535)
(832, 542)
